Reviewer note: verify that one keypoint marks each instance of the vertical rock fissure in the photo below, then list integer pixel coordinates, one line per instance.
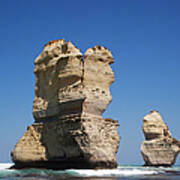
(82, 78)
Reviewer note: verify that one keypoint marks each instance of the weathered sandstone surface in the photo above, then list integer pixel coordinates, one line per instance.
(71, 93)
(159, 147)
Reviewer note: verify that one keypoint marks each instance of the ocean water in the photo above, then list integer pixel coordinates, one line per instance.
(121, 173)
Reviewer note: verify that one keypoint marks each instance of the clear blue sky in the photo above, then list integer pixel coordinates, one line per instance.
(144, 37)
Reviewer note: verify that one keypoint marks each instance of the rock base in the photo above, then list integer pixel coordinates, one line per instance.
(80, 142)
(161, 152)
(74, 163)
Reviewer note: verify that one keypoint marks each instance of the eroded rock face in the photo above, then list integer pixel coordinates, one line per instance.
(71, 93)
(159, 147)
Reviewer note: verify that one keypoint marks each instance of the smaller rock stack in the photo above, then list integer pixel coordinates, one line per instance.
(159, 148)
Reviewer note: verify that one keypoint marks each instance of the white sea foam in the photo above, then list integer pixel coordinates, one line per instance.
(113, 172)
(5, 165)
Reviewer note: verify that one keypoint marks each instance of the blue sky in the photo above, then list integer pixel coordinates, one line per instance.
(144, 37)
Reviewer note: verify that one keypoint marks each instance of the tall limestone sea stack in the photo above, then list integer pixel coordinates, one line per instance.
(159, 148)
(71, 93)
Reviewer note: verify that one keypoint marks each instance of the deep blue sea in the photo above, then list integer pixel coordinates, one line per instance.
(121, 173)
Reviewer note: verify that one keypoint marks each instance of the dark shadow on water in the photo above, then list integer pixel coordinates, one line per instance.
(151, 177)
(61, 178)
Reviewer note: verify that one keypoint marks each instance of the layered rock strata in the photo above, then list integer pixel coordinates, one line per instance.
(159, 147)
(71, 93)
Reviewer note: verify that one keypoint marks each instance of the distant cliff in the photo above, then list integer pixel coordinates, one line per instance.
(71, 93)
(159, 148)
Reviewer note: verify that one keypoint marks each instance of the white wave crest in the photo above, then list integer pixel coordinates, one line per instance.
(113, 172)
(5, 165)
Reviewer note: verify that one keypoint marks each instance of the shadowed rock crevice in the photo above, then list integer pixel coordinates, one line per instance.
(71, 93)
(159, 147)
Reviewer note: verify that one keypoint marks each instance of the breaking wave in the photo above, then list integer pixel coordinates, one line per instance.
(121, 171)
